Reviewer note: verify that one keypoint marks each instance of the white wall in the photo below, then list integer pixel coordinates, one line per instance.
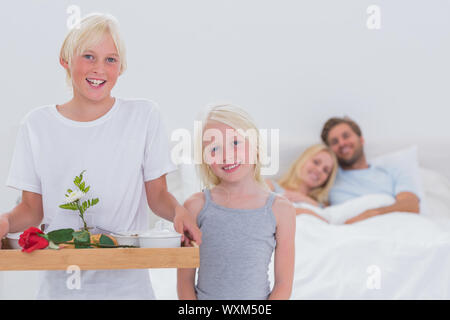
(292, 64)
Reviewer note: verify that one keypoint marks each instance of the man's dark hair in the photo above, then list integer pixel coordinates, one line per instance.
(332, 122)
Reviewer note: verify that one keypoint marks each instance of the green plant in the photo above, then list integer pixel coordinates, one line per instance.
(73, 199)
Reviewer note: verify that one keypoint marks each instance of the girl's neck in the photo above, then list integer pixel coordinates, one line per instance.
(240, 188)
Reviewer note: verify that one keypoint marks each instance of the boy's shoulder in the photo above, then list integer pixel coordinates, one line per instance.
(140, 103)
(36, 114)
(138, 108)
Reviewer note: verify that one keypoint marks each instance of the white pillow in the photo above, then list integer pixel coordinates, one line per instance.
(406, 161)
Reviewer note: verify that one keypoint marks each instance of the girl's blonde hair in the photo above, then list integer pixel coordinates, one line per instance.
(238, 119)
(292, 181)
(89, 32)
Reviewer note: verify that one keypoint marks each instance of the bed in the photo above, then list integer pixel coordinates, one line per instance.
(394, 256)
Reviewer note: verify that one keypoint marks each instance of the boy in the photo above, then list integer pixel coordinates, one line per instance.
(120, 143)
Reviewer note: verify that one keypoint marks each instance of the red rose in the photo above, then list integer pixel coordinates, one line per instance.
(30, 240)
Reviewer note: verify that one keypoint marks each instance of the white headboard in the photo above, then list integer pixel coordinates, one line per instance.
(433, 154)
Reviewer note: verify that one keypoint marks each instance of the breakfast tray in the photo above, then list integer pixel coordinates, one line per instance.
(100, 258)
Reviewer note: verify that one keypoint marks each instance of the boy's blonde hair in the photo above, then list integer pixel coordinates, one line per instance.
(238, 119)
(291, 180)
(90, 31)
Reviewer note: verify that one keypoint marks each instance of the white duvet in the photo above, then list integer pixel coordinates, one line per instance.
(393, 256)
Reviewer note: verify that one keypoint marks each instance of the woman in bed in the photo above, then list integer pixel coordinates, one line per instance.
(308, 180)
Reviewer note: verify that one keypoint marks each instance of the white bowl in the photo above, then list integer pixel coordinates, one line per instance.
(127, 238)
(160, 240)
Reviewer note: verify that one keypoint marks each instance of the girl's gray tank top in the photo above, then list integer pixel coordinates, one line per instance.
(236, 249)
(277, 188)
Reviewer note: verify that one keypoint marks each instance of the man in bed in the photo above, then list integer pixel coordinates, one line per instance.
(356, 177)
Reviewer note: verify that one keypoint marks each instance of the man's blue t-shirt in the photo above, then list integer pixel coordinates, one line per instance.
(350, 184)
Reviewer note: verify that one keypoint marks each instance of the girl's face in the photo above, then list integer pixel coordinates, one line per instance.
(227, 152)
(316, 170)
(94, 73)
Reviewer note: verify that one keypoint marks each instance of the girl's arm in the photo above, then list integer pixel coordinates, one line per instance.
(164, 204)
(285, 250)
(27, 213)
(186, 284)
(186, 277)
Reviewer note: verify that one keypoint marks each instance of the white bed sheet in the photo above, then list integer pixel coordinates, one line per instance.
(406, 254)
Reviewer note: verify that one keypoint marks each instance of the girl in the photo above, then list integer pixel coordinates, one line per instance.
(241, 221)
(120, 143)
(309, 179)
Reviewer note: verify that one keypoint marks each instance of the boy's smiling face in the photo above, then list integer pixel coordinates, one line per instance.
(95, 71)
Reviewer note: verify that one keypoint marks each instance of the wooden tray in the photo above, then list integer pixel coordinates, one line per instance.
(92, 259)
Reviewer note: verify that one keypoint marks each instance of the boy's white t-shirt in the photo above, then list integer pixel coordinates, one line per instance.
(119, 151)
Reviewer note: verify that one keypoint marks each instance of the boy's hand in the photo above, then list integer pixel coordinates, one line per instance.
(185, 224)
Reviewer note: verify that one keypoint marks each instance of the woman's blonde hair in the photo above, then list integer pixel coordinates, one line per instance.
(238, 119)
(89, 32)
(292, 181)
